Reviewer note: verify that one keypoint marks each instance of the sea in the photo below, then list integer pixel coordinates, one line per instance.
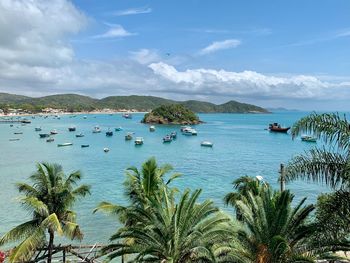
(242, 146)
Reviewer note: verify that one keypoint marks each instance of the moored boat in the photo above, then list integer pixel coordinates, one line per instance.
(207, 144)
(275, 127)
(106, 150)
(109, 133)
(308, 138)
(85, 145)
(96, 129)
(72, 129)
(53, 132)
(128, 136)
(173, 135)
(138, 140)
(127, 115)
(50, 139)
(26, 121)
(118, 129)
(152, 128)
(167, 138)
(189, 131)
(38, 129)
(44, 135)
(79, 135)
(64, 144)
(14, 139)
(18, 133)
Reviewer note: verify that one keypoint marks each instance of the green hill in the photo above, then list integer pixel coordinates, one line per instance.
(75, 102)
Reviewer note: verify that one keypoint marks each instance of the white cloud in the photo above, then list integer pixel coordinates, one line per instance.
(145, 56)
(220, 45)
(115, 31)
(133, 11)
(35, 32)
(247, 84)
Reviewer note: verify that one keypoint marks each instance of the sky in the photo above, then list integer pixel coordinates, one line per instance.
(292, 54)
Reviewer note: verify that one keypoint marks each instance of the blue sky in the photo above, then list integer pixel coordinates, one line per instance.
(273, 53)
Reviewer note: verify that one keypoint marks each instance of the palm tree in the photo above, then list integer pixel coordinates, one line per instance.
(329, 165)
(242, 186)
(188, 231)
(49, 199)
(273, 231)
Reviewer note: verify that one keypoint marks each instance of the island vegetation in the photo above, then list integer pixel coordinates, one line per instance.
(160, 223)
(171, 114)
(78, 103)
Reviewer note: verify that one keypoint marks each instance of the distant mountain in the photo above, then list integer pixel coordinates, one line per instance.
(75, 102)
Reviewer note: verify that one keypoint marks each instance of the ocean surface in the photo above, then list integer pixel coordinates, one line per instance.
(242, 146)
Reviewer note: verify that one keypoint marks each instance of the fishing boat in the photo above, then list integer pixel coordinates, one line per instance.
(207, 144)
(109, 133)
(72, 129)
(167, 138)
(127, 115)
(38, 129)
(64, 144)
(85, 145)
(106, 150)
(118, 129)
(96, 129)
(308, 138)
(50, 139)
(79, 135)
(139, 141)
(53, 132)
(152, 128)
(44, 135)
(128, 136)
(173, 135)
(275, 127)
(14, 139)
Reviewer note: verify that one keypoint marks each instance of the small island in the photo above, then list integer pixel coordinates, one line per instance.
(171, 114)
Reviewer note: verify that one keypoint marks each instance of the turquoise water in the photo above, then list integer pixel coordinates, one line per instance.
(242, 146)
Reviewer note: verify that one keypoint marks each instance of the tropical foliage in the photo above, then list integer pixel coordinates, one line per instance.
(50, 199)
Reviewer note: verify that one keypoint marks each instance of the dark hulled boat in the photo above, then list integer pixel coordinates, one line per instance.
(275, 127)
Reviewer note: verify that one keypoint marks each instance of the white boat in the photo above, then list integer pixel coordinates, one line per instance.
(138, 140)
(96, 129)
(152, 128)
(64, 144)
(189, 131)
(106, 150)
(53, 132)
(207, 144)
(308, 138)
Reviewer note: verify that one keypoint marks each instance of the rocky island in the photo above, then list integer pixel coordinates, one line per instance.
(171, 114)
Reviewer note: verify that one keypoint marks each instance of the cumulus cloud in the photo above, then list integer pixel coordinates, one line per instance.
(220, 45)
(23, 37)
(247, 84)
(133, 11)
(115, 31)
(145, 56)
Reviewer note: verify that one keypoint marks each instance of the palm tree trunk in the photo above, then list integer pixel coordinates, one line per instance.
(50, 247)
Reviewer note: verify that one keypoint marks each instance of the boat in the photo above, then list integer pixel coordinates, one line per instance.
(79, 135)
(128, 136)
(127, 115)
(64, 144)
(118, 129)
(53, 132)
(189, 131)
(44, 135)
(152, 128)
(72, 128)
(50, 139)
(38, 129)
(85, 117)
(26, 121)
(167, 138)
(109, 133)
(173, 135)
(106, 150)
(85, 145)
(139, 141)
(182, 128)
(18, 133)
(308, 138)
(96, 129)
(207, 144)
(275, 127)
(14, 139)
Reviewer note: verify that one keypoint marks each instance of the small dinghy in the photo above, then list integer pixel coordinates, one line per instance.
(14, 139)
(79, 135)
(64, 144)
(38, 129)
(44, 135)
(119, 129)
(72, 128)
(18, 133)
(50, 140)
(207, 144)
(128, 136)
(96, 129)
(139, 141)
(85, 145)
(53, 132)
(109, 133)
(106, 150)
